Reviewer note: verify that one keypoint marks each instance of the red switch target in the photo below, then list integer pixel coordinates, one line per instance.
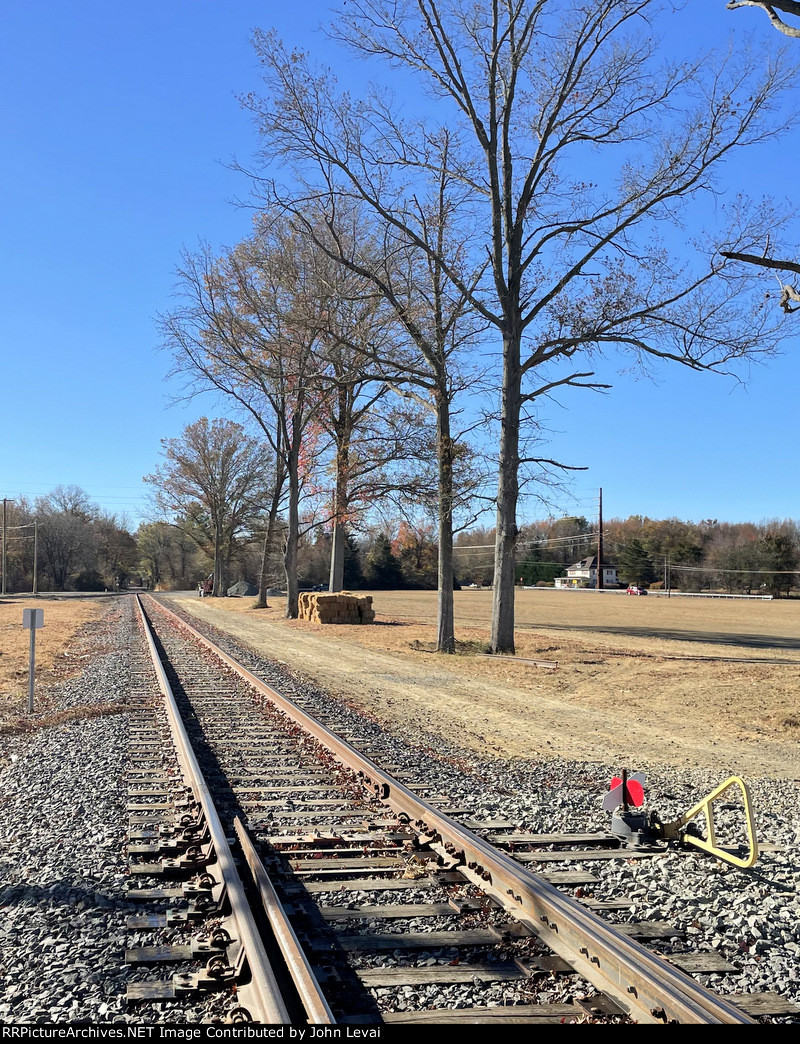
(634, 791)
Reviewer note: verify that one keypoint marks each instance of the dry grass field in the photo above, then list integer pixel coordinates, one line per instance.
(646, 680)
(770, 629)
(56, 653)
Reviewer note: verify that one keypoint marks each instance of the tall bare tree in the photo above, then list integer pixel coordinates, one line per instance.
(66, 537)
(575, 145)
(427, 322)
(215, 468)
(269, 325)
(244, 329)
(376, 446)
(209, 350)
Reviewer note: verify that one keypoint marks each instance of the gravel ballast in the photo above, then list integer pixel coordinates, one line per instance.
(63, 866)
(62, 908)
(750, 917)
(64, 873)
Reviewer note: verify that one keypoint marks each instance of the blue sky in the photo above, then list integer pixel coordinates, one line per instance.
(118, 120)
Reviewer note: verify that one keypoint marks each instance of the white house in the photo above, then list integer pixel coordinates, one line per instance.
(584, 574)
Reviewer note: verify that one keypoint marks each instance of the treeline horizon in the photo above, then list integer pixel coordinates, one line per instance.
(83, 548)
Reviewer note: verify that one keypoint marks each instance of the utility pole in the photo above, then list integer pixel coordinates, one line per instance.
(35, 556)
(5, 541)
(600, 543)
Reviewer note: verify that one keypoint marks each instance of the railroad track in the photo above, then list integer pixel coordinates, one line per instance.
(314, 884)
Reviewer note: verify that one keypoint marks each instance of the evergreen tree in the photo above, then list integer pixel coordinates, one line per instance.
(532, 569)
(776, 551)
(383, 570)
(635, 565)
(353, 574)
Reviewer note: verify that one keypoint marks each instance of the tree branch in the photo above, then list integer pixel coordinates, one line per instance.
(789, 6)
(762, 262)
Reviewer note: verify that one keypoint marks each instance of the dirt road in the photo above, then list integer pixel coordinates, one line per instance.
(613, 699)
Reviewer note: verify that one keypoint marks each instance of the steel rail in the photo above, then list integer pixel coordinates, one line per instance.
(645, 986)
(268, 1006)
(303, 977)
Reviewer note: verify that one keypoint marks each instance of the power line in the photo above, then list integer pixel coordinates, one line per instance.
(95, 485)
(545, 542)
(714, 569)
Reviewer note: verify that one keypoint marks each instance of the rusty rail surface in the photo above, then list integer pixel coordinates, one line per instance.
(305, 981)
(262, 995)
(644, 985)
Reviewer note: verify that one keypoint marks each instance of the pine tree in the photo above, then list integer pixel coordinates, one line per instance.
(776, 551)
(383, 569)
(635, 565)
(353, 574)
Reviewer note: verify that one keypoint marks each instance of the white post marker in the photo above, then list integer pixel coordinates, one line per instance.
(33, 619)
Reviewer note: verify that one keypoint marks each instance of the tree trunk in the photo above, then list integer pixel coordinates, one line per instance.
(225, 568)
(292, 538)
(445, 638)
(344, 431)
(338, 542)
(263, 580)
(340, 507)
(217, 588)
(507, 496)
(269, 540)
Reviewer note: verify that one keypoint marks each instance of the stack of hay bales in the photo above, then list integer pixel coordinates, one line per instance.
(344, 608)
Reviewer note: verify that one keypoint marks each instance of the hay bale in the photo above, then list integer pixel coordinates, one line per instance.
(341, 608)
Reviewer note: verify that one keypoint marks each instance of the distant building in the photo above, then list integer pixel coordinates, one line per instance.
(584, 574)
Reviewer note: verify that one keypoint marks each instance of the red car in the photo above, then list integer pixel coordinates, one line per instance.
(634, 590)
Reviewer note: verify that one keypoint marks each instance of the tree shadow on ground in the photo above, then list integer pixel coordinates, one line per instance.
(743, 641)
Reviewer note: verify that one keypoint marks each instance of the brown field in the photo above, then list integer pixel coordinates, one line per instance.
(644, 680)
(56, 654)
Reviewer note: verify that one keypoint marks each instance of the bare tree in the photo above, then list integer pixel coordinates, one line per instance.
(574, 144)
(276, 305)
(243, 331)
(209, 350)
(66, 536)
(428, 324)
(373, 443)
(263, 325)
(214, 468)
